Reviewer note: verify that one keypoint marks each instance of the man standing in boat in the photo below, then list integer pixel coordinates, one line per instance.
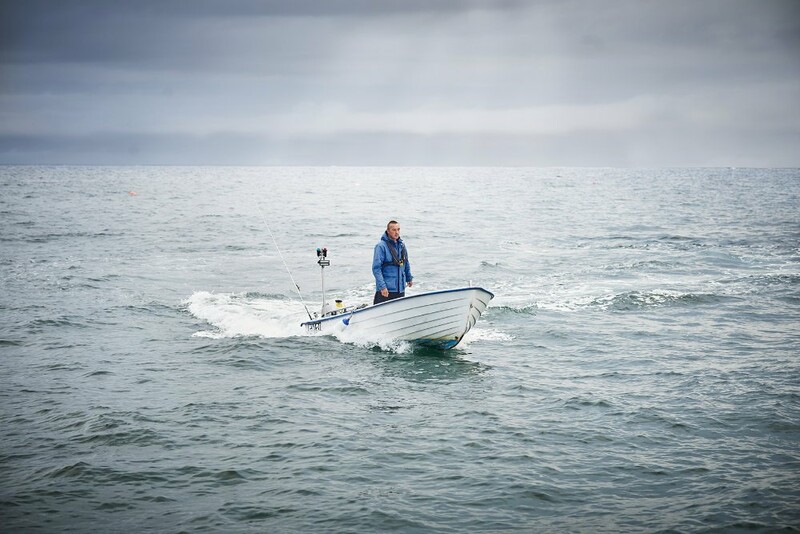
(390, 265)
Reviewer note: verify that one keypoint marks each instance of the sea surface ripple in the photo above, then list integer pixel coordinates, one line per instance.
(637, 370)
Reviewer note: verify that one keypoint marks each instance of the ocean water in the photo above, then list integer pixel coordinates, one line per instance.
(638, 369)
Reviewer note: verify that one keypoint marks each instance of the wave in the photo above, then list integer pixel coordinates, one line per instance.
(491, 265)
(661, 242)
(534, 304)
(396, 346)
(249, 314)
(374, 342)
(54, 236)
(480, 333)
(766, 280)
(37, 326)
(644, 265)
(632, 300)
(514, 309)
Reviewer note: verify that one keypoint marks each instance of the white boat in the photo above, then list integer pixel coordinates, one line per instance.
(438, 318)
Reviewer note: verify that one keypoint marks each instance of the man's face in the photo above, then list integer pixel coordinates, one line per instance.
(394, 231)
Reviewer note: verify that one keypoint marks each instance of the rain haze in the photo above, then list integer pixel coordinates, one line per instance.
(401, 82)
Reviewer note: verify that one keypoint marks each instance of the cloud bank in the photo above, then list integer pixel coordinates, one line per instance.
(348, 82)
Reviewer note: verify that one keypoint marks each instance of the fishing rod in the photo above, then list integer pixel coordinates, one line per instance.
(284, 261)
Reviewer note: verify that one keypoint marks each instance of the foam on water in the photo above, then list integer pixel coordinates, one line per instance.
(386, 344)
(234, 315)
(482, 333)
(249, 314)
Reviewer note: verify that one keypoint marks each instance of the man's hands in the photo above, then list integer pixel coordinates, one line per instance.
(385, 291)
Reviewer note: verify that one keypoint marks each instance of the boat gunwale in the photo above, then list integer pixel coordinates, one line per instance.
(342, 316)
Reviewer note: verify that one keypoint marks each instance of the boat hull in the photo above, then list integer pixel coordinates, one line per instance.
(438, 318)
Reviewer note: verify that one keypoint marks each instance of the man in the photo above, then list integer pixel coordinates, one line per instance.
(390, 265)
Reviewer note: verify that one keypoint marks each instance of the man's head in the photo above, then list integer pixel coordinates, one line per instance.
(393, 230)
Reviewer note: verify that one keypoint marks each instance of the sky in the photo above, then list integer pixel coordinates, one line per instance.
(612, 83)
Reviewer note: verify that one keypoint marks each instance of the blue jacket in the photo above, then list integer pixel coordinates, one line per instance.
(387, 273)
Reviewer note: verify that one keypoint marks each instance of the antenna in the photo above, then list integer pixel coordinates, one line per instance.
(323, 261)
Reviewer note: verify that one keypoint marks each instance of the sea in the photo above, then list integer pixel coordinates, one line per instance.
(638, 369)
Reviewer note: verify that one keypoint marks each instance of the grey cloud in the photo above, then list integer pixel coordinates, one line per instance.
(97, 30)
(651, 149)
(325, 82)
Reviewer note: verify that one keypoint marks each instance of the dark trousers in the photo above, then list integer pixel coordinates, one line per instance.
(381, 298)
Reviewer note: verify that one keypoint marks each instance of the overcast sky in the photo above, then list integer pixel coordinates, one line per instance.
(401, 82)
